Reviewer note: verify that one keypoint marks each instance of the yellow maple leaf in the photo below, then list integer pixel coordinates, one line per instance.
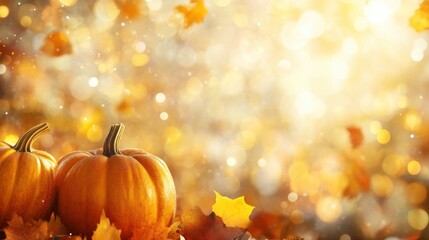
(234, 212)
(105, 230)
(420, 20)
(195, 13)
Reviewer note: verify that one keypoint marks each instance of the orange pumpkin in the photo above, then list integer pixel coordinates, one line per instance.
(134, 188)
(27, 185)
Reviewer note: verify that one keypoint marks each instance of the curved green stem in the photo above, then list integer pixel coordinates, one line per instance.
(25, 141)
(111, 144)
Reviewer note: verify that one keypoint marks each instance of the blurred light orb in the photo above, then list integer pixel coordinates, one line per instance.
(292, 197)
(93, 82)
(417, 55)
(262, 162)
(418, 218)
(68, 3)
(414, 167)
(154, 5)
(231, 161)
(345, 237)
(412, 120)
(4, 11)
(382, 185)
(329, 209)
(140, 46)
(311, 24)
(94, 133)
(297, 217)
(106, 10)
(377, 11)
(2, 69)
(307, 104)
(11, 139)
(160, 97)
(163, 116)
(383, 136)
(394, 165)
(26, 21)
(139, 59)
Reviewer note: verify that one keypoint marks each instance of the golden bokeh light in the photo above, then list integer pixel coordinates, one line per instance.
(4, 11)
(418, 218)
(394, 164)
(382, 185)
(413, 167)
(297, 217)
(329, 209)
(383, 136)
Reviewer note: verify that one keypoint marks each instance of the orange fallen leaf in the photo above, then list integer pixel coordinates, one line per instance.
(125, 106)
(55, 226)
(355, 136)
(105, 230)
(420, 20)
(175, 231)
(130, 9)
(234, 212)
(18, 229)
(195, 13)
(359, 179)
(268, 225)
(197, 226)
(56, 44)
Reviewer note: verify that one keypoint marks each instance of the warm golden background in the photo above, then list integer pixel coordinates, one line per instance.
(312, 109)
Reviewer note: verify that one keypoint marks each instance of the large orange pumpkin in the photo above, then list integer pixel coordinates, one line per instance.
(27, 184)
(134, 188)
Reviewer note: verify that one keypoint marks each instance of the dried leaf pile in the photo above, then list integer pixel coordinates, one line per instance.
(230, 219)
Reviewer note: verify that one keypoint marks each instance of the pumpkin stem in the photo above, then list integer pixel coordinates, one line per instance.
(25, 141)
(111, 144)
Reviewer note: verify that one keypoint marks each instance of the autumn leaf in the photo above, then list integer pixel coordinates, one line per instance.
(234, 212)
(359, 179)
(197, 226)
(420, 20)
(56, 44)
(355, 136)
(130, 9)
(175, 231)
(55, 226)
(31, 230)
(195, 13)
(105, 230)
(269, 225)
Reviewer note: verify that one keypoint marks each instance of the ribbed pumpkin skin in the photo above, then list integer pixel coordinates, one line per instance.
(27, 185)
(134, 188)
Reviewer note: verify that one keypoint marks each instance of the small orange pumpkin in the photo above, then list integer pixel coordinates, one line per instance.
(27, 185)
(134, 188)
